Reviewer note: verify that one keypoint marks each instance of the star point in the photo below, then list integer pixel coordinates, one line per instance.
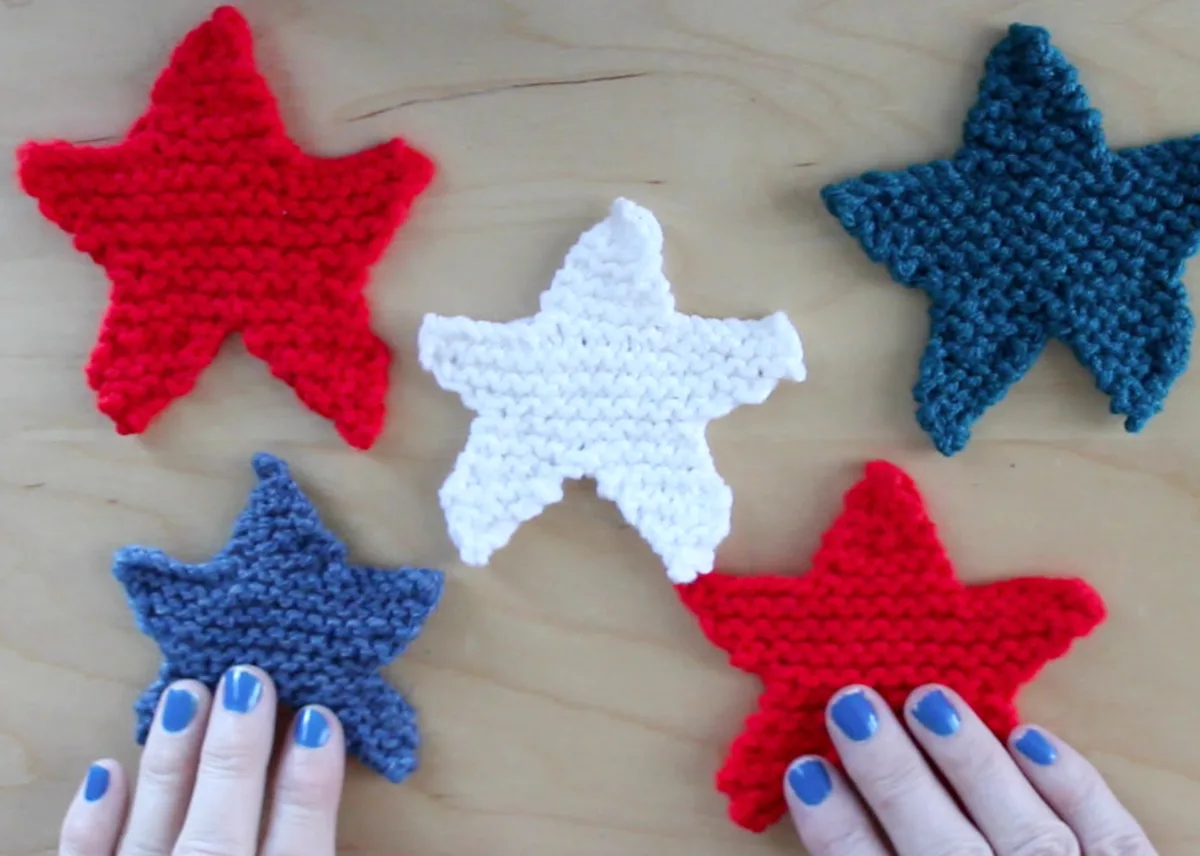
(607, 380)
(282, 596)
(1035, 229)
(209, 220)
(880, 606)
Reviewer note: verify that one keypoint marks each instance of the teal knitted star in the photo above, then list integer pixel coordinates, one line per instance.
(1034, 230)
(282, 596)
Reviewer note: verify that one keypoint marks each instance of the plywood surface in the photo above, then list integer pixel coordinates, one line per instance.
(569, 704)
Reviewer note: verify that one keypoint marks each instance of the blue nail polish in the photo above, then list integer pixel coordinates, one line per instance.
(243, 689)
(936, 713)
(95, 785)
(855, 716)
(178, 710)
(1034, 746)
(810, 782)
(312, 729)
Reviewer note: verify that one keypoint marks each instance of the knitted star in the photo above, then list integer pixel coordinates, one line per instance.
(209, 220)
(282, 596)
(608, 381)
(1035, 230)
(880, 606)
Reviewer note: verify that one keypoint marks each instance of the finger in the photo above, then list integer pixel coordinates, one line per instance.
(916, 812)
(167, 770)
(1076, 790)
(997, 795)
(830, 819)
(94, 819)
(226, 805)
(308, 787)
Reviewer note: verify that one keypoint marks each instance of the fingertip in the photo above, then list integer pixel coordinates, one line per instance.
(245, 688)
(314, 766)
(1077, 792)
(104, 779)
(317, 727)
(864, 690)
(937, 710)
(94, 820)
(1031, 744)
(826, 812)
(849, 689)
(200, 690)
(308, 788)
(854, 714)
(807, 783)
(182, 706)
(267, 681)
(914, 698)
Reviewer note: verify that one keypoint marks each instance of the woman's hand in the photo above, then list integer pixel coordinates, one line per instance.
(951, 788)
(203, 780)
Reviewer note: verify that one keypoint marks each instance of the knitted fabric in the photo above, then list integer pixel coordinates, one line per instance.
(608, 381)
(209, 220)
(282, 596)
(880, 606)
(1035, 230)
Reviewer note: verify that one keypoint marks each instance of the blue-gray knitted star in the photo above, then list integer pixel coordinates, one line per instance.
(1036, 229)
(282, 596)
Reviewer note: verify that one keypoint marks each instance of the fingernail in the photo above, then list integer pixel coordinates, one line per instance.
(179, 709)
(1034, 746)
(95, 785)
(936, 713)
(312, 729)
(855, 716)
(243, 689)
(809, 781)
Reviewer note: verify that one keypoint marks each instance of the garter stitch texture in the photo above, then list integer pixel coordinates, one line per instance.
(609, 381)
(880, 606)
(282, 596)
(209, 220)
(1035, 230)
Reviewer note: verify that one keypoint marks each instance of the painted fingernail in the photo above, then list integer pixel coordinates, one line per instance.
(809, 781)
(95, 785)
(312, 729)
(936, 713)
(1034, 746)
(178, 711)
(854, 714)
(243, 689)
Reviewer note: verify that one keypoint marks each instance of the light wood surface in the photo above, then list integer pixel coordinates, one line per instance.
(569, 704)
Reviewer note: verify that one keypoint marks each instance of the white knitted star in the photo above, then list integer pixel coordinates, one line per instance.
(606, 380)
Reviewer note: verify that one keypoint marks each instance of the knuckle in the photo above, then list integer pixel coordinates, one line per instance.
(229, 759)
(160, 770)
(983, 762)
(1052, 840)
(1122, 844)
(895, 782)
(206, 847)
(844, 838)
(1085, 790)
(140, 848)
(973, 847)
(308, 791)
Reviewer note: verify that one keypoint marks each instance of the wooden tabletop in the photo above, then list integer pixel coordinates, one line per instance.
(569, 704)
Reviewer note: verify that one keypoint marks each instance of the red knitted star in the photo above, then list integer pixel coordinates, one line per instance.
(209, 220)
(881, 606)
